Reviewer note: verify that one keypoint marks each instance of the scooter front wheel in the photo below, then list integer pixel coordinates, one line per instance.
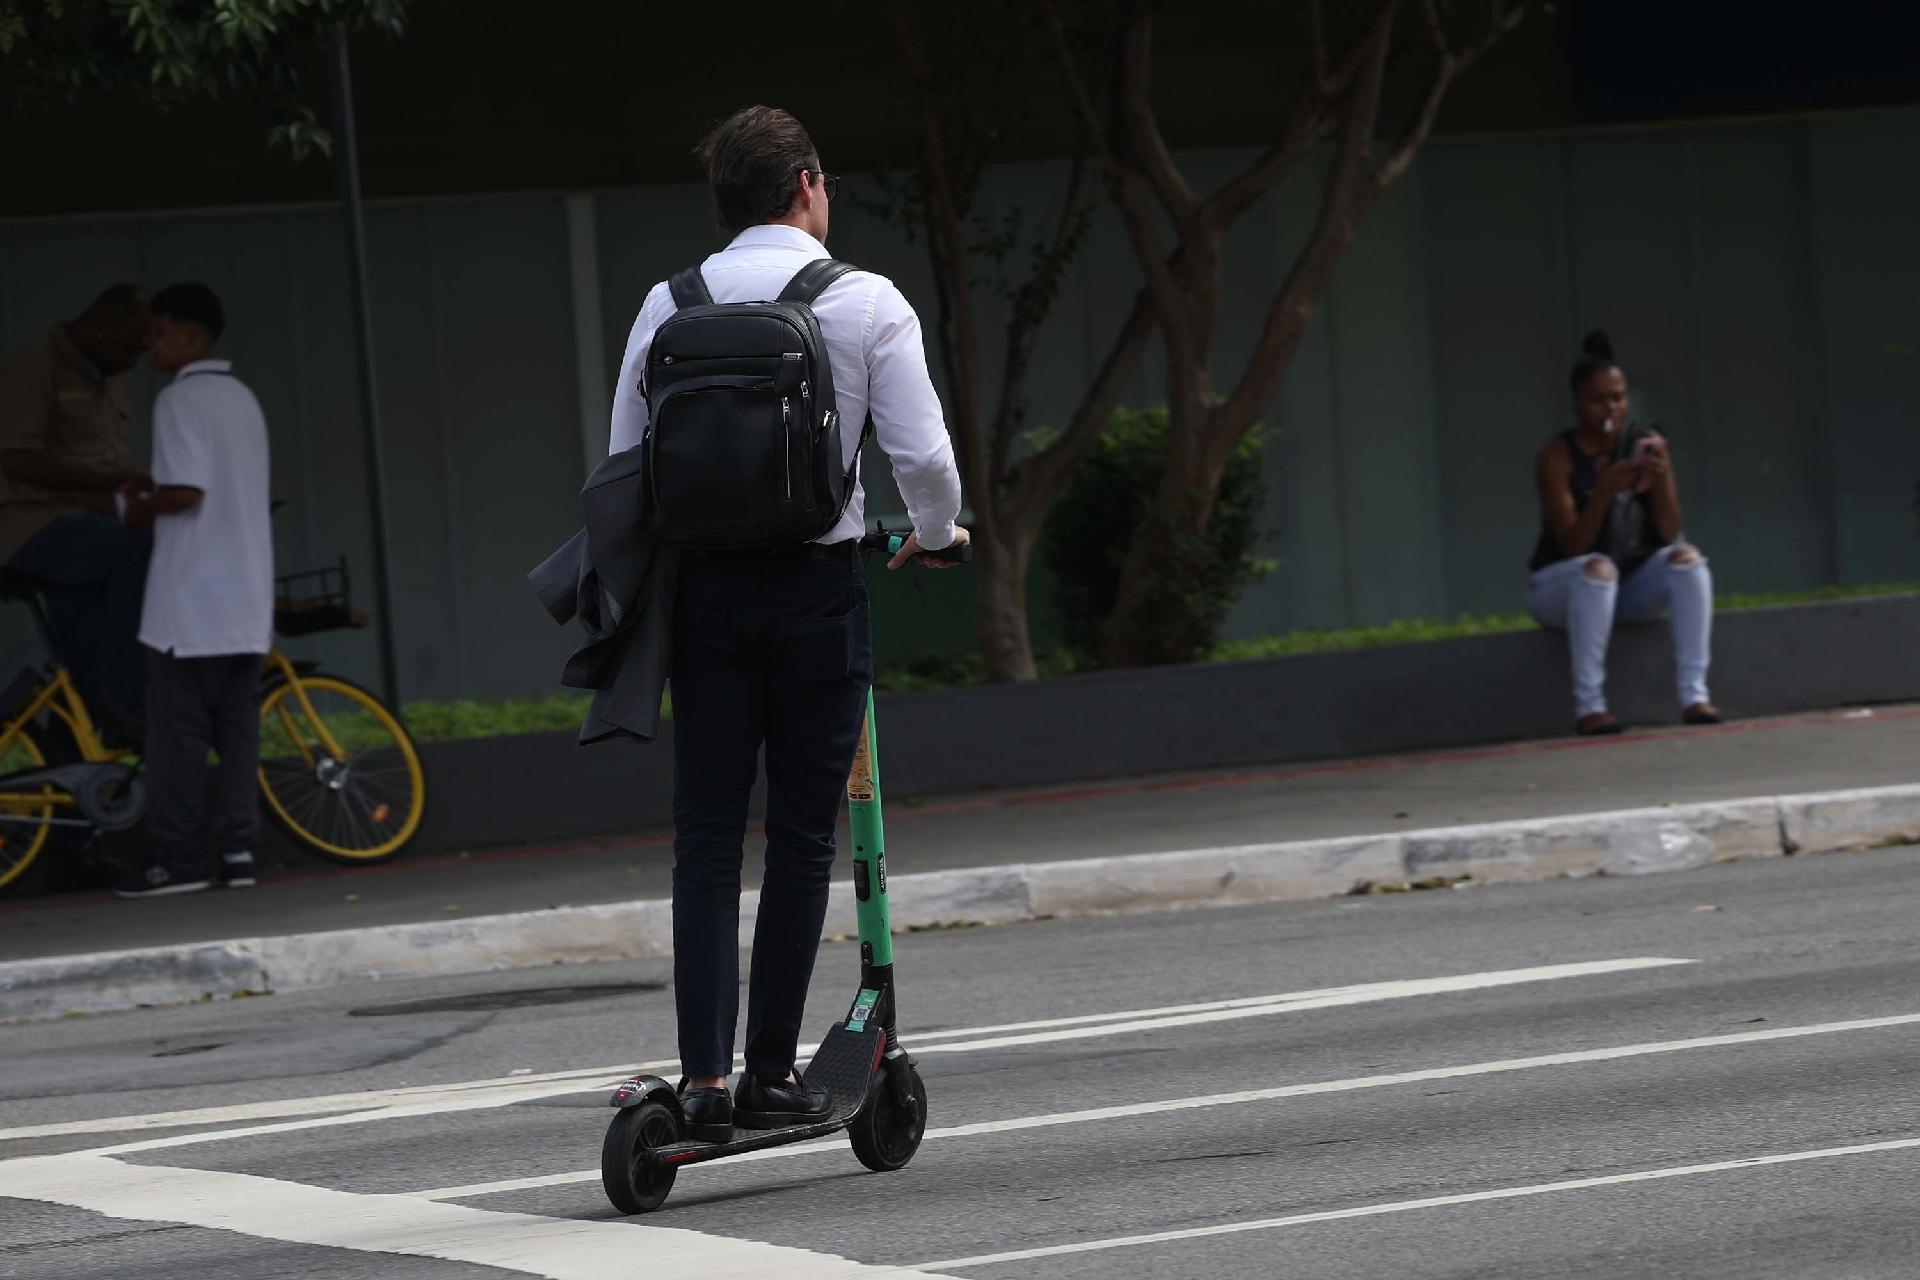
(888, 1129)
(635, 1178)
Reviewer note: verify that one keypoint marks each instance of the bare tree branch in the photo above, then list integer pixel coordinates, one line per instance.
(1312, 114)
(1317, 33)
(1077, 90)
(1143, 129)
(1355, 59)
(1451, 64)
(1028, 310)
(1240, 192)
(1044, 472)
(947, 231)
(1123, 183)
(1347, 183)
(1436, 31)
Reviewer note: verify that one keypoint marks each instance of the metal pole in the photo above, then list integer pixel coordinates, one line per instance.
(346, 150)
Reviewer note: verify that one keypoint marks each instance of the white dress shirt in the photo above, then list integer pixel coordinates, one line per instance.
(879, 366)
(210, 582)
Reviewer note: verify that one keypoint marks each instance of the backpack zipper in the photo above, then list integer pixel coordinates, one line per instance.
(786, 436)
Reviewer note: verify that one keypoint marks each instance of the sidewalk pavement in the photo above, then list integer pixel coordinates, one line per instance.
(1654, 800)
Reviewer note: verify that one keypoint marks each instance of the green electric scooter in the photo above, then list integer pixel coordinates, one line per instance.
(876, 1092)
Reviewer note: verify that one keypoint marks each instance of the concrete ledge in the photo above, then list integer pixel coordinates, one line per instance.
(1624, 842)
(1586, 843)
(1851, 819)
(543, 787)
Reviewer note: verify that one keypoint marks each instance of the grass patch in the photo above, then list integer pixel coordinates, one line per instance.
(1816, 595)
(1407, 631)
(430, 721)
(1422, 630)
(956, 669)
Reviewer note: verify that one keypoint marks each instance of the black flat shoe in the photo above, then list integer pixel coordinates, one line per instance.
(759, 1105)
(709, 1114)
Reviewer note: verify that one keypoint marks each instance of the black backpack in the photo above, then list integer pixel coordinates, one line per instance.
(743, 440)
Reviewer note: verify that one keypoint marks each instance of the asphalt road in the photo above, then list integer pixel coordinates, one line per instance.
(1708, 1074)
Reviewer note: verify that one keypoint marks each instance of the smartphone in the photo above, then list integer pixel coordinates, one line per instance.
(1646, 447)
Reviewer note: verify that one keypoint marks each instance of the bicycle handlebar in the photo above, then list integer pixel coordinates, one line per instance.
(890, 543)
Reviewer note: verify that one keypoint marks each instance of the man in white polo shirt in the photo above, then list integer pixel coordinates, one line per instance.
(208, 615)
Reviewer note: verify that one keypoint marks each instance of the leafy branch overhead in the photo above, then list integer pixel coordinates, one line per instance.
(61, 56)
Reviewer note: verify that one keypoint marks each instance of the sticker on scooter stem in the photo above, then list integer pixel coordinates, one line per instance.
(862, 1009)
(860, 780)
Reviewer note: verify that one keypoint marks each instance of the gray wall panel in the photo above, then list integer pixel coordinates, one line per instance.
(1499, 312)
(1757, 278)
(509, 426)
(1751, 497)
(1306, 498)
(1866, 188)
(1395, 562)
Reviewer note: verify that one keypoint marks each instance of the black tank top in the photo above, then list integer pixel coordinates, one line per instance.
(1582, 480)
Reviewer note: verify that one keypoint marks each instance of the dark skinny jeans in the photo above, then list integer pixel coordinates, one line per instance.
(773, 654)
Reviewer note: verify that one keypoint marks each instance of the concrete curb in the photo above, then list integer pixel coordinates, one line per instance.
(1624, 842)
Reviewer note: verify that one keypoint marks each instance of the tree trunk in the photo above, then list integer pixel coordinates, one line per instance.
(1000, 603)
(1180, 509)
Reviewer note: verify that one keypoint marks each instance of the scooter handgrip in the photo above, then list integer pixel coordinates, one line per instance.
(962, 554)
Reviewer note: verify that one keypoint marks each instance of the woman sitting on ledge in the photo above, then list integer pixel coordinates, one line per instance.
(1610, 544)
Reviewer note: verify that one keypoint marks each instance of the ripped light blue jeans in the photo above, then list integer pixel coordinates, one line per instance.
(1585, 598)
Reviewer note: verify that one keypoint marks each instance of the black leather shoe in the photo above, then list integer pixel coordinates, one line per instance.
(709, 1114)
(759, 1105)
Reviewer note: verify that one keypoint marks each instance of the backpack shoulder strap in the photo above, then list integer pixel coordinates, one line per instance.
(689, 289)
(810, 281)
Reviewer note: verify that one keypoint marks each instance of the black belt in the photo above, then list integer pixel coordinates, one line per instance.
(848, 550)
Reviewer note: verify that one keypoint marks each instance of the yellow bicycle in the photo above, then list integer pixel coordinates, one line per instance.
(338, 771)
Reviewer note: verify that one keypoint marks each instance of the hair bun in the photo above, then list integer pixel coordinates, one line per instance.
(1598, 345)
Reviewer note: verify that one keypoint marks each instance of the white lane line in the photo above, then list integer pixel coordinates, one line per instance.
(1368, 990)
(269, 1209)
(1331, 997)
(331, 1110)
(1014, 1124)
(1408, 1206)
(319, 1104)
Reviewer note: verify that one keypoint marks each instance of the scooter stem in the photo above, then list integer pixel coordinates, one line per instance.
(869, 851)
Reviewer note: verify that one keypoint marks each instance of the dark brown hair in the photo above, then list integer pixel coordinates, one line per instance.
(753, 160)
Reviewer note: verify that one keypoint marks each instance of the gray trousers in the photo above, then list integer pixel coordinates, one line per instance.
(196, 706)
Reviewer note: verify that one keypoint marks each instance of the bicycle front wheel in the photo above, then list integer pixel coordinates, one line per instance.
(338, 772)
(24, 811)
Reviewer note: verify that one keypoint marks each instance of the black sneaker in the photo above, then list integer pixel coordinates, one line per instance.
(156, 881)
(759, 1105)
(237, 870)
(709, 1114)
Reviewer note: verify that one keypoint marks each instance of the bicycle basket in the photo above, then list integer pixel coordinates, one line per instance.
(315, 600)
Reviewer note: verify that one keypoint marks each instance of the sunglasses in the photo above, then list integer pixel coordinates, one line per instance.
(831, 182)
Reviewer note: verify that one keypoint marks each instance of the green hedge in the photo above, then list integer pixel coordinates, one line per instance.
(1196, 580)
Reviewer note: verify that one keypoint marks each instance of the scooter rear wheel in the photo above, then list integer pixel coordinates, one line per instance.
(887, 1132)
(636, 1180)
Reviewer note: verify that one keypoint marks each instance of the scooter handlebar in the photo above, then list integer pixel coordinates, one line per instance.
(890, 543)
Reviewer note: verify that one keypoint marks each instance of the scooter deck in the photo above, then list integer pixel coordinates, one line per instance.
(843, 1066)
